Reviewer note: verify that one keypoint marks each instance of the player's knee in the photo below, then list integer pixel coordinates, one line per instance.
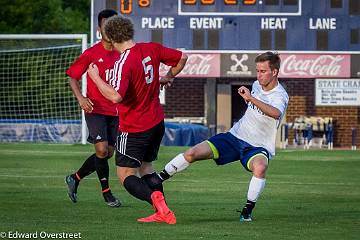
(102, 149)
(102, 152)
(259, 169)
(190, 155)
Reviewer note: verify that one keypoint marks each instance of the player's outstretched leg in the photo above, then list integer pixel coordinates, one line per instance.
(201, 151)
(177, 164)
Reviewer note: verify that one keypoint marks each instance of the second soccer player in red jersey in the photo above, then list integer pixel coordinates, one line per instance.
(100, 114)
(135, 87)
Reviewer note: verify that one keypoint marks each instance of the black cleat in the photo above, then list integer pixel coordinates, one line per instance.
(110, 200)
(72, 188)
(245, 215)
(245, 218)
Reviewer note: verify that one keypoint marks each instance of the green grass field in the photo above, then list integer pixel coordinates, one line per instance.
(309, 195)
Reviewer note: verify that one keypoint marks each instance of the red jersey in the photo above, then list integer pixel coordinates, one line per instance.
(137, 81)
(104, 60)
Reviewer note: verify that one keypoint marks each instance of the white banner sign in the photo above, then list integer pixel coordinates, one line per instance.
(337, 92)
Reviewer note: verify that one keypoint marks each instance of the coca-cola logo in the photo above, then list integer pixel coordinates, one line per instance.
(198, 65)
(314, 66)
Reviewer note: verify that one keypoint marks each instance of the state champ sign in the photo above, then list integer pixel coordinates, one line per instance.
(337, 92)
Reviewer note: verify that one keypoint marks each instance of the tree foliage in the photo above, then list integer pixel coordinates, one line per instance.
(44, 16)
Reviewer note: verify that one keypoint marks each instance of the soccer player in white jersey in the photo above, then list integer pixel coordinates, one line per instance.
(252, 139)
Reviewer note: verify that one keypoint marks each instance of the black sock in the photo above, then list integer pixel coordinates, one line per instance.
(102, 170)
(249, 206)
(87, 168)
(164, 175)
(153, 181)
(138, 188)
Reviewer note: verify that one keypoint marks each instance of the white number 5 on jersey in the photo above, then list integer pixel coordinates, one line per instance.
(148, 69)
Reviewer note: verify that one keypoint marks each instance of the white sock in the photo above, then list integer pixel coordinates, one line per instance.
(177, 164)
(256, 187)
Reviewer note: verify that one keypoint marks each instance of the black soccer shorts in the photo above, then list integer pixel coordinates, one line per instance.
(134, 148)
(102, 128)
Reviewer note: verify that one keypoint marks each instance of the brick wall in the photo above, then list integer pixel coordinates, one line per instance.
(185, 98)
(302, 102)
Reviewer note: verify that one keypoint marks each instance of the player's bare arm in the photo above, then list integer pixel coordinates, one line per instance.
(106, 90)
(265, 108)
(85, 103)
(168, 79)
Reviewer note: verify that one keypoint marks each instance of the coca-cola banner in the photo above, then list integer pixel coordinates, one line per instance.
(238, 65)
(355, 66)
(314, 66)
(198, 65)
(202, 65)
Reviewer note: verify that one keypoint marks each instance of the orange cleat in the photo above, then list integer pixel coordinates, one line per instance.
(158, 201)
(163, 213)
(169, 218)
(152, 218)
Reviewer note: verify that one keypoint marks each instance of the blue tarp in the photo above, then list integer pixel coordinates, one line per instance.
(176, 134)
(184, 134)
(40, 132)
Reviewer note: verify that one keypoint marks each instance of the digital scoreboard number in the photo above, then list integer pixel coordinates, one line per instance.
(126, 6)
(218, 7)
(235, 8)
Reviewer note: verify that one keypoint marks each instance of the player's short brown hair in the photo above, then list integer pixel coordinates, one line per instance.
(119, 29)
(272, 57)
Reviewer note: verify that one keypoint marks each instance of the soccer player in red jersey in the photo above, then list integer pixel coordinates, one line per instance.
(100, 114)
(135, 86)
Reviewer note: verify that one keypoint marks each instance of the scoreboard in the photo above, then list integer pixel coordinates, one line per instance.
(214, 7)
(288, 25)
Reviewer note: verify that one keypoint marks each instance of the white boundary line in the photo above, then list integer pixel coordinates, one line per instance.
(181, 13)
(41, 152)
(43, 36)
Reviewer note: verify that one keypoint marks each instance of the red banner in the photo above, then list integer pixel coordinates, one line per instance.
(314, 66)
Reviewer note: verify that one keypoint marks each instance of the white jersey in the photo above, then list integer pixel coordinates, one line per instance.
(255, 127)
